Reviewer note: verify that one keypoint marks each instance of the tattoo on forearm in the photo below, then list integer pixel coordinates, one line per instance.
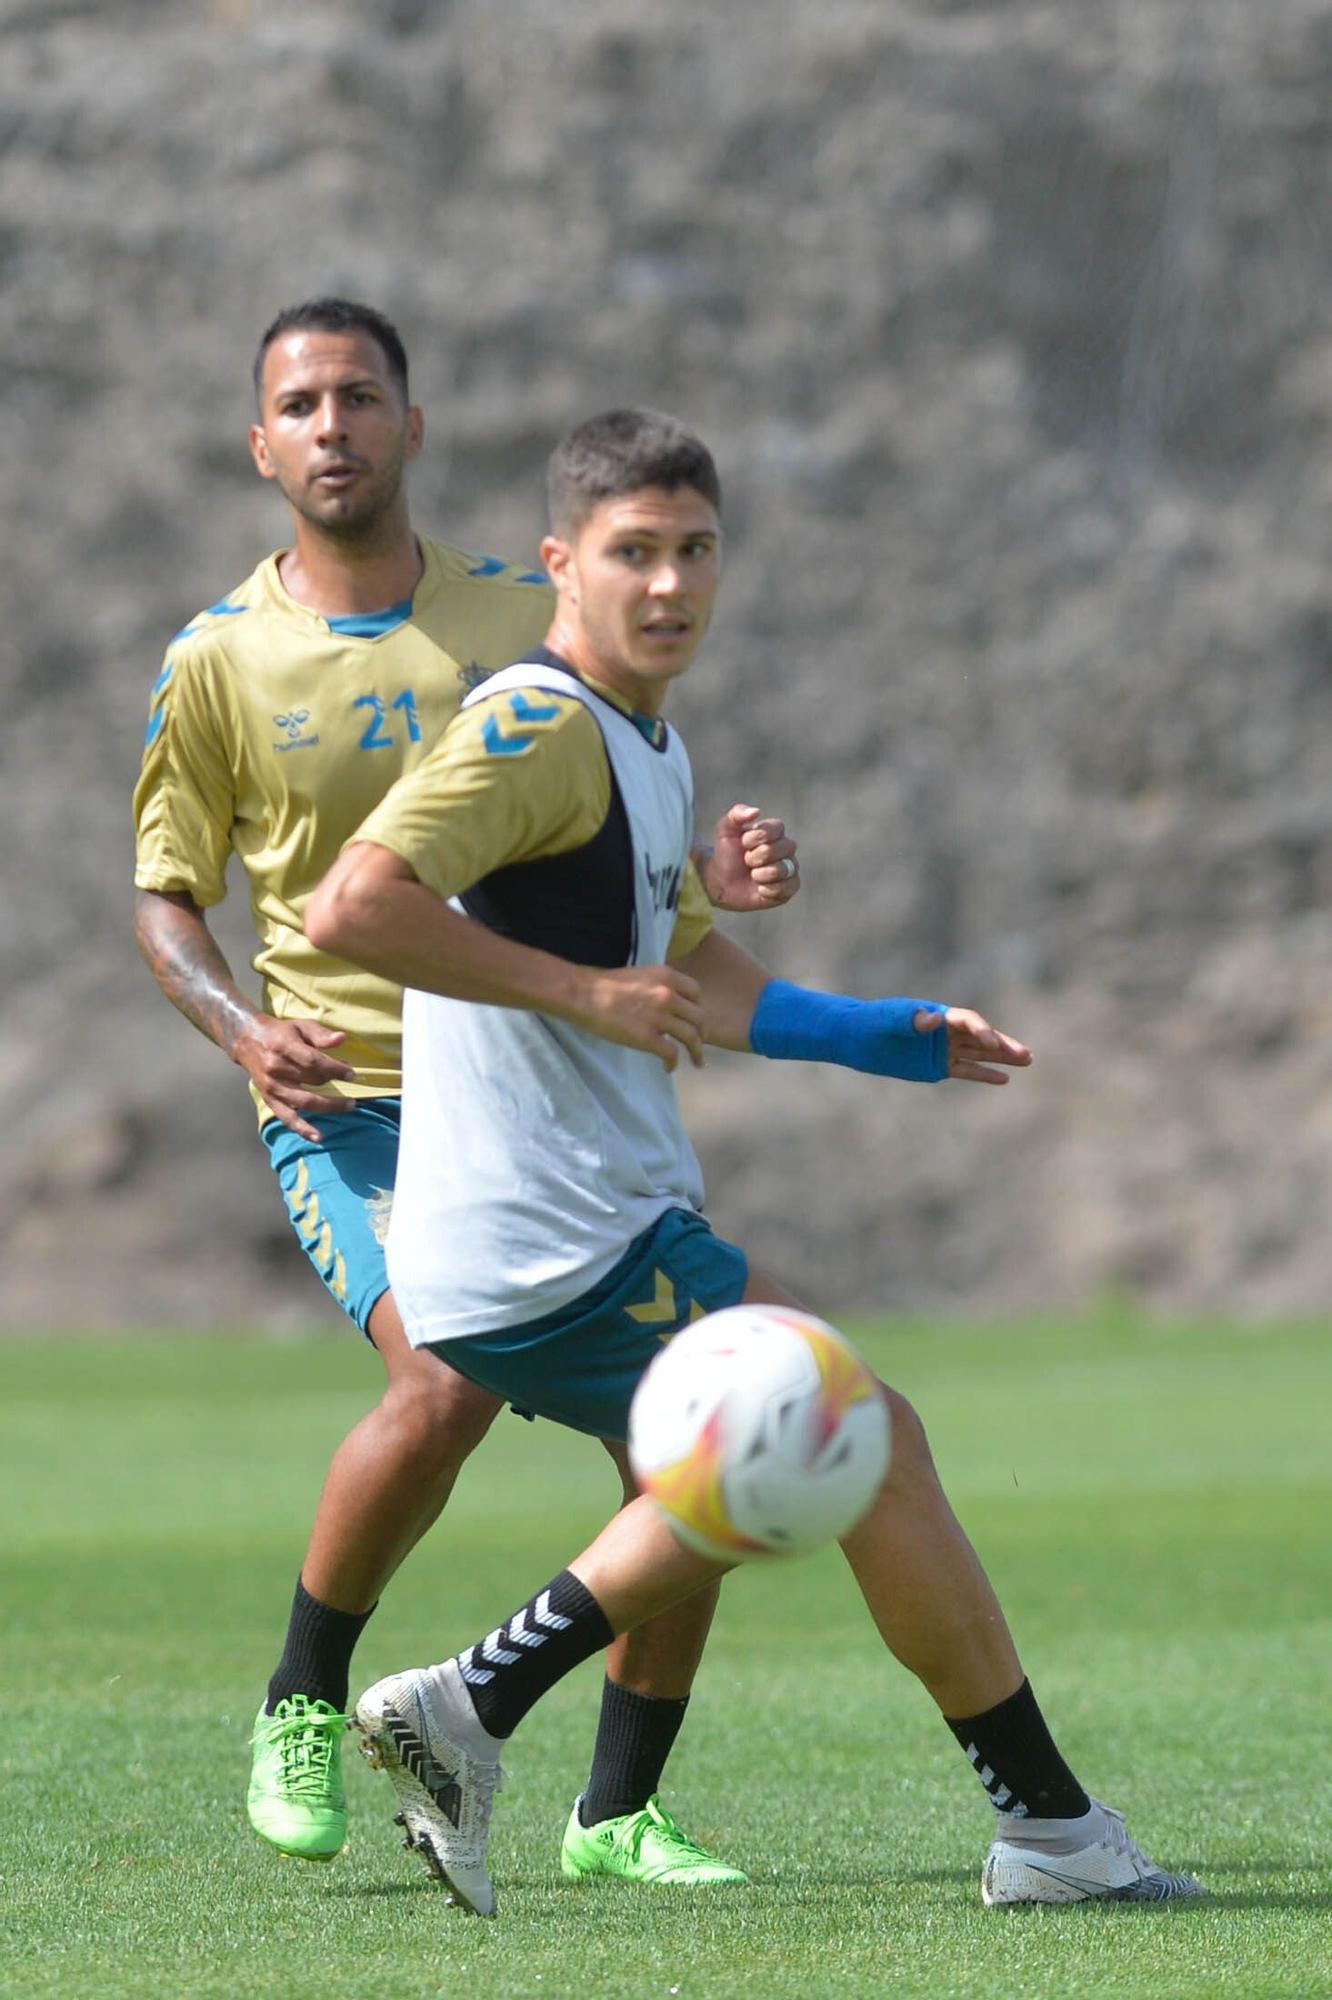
(186, 963)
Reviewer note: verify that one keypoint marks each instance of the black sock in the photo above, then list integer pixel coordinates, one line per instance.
(316, 1660)
(525, 1656)
(634, 1739)
(1017, 1762)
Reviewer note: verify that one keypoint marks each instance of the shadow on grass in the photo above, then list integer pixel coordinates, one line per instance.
(423, 1886)
(1260, 1898)
(813, 1887)
(1267, 1899)
(970, 1877)
(1272, 1865)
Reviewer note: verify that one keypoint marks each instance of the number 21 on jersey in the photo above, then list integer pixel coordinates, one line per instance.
(379, 730)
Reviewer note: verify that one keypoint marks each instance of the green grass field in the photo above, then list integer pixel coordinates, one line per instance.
(1154, 1506)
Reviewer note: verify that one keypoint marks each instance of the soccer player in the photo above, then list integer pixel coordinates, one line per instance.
(281, 716)
(526, 884)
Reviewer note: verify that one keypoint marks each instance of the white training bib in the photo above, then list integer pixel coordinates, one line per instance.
(533, 1153)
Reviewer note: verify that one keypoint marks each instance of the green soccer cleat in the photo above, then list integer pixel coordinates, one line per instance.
(644, 1846)
(296, 1801)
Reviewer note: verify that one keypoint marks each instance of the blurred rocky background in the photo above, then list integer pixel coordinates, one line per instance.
(1011, 323)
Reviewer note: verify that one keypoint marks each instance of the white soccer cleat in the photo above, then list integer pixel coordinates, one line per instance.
(418, 1727)
(1071, 1860)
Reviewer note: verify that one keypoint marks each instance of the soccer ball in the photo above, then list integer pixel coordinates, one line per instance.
(759, 1431)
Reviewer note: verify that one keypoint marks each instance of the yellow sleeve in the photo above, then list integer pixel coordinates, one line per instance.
(184, 801)
(511, 779)
(694, 918)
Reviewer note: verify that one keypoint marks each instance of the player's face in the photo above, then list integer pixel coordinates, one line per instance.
(334, 430)
(636, 589)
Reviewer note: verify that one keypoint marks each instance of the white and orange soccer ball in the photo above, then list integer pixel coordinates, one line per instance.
(759, 1431)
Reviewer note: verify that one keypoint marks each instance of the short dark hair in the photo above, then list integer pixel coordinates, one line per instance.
(622, 451)
(335, 316)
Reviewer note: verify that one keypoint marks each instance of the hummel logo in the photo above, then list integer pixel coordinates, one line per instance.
(529, 1627)
(554, 1621)
(491, 1649)
(293, 726)
(416, 1758)
(664, 884)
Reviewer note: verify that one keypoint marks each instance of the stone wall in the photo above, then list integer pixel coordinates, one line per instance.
(1010, 325)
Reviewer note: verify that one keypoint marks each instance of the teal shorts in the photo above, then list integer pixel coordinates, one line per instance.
(337, 1190)
(580, 1366)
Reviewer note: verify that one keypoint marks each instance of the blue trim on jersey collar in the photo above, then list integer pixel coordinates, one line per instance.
(496, 566)
(224, 608)
(371, 624)
(652, 728)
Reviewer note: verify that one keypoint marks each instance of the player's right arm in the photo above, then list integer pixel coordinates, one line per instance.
(491, 793)
(495, 792)
(184, 805)
(372, 909)
(287, 1061)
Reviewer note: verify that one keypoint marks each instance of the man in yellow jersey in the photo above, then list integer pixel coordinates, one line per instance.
(526, 886)
(280, 718)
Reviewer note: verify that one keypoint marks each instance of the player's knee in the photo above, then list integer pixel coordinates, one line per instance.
(910, 1456)
(439, 1415)
(619, 1457)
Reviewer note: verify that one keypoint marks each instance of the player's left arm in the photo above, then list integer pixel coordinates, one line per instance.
(918, 1041)
(751, 863)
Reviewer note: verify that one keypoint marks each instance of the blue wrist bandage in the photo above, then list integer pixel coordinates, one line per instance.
(877, 1036)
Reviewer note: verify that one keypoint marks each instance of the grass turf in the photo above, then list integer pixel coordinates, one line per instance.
(1152, 1503)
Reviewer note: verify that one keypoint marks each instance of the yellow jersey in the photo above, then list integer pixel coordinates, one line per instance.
(273, 732)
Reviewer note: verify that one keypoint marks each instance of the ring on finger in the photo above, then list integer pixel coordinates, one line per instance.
(788, 869)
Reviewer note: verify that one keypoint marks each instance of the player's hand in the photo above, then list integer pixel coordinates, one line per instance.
(286, 1062)
(974, 1046)
(649, 1007)
(753, 863)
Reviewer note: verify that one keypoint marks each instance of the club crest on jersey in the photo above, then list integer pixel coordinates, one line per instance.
(292, 725)
(473, 674)
(664, 884)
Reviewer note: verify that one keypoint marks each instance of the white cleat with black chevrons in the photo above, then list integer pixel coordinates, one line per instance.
(421, 1729)
(1074, 1860)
